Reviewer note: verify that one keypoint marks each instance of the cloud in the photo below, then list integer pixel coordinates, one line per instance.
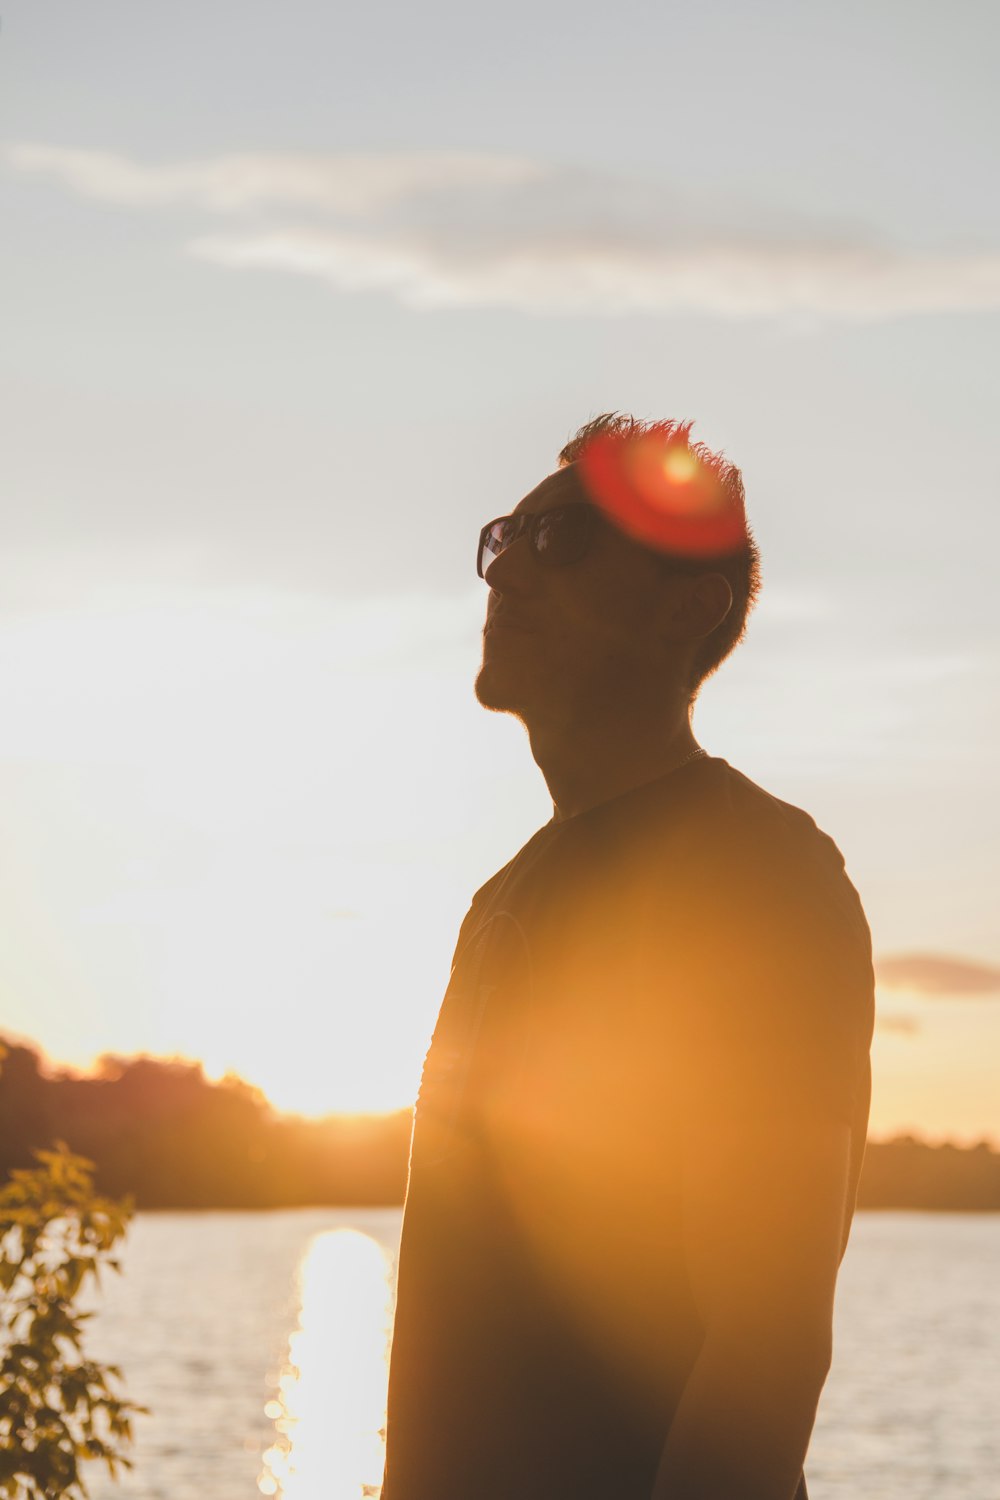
(532, 273)
(473, 230)
(349, 184)
(937, 975)
(903, 1025)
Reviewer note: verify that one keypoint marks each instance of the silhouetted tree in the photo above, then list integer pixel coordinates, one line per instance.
(157, 1129)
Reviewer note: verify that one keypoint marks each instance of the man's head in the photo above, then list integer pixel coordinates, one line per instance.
(582, 619)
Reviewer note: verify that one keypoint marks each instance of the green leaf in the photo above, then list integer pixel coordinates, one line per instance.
(56, 1408)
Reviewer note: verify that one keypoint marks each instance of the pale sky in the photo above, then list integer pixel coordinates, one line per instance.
(292, 301)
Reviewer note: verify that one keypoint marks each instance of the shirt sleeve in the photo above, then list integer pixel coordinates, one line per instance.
(756, 985)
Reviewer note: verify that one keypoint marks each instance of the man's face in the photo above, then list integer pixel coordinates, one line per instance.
(566, 644)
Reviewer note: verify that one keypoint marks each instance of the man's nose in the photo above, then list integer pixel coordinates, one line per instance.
(510, 573)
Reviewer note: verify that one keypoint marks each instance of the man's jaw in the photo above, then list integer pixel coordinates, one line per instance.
(495, 689)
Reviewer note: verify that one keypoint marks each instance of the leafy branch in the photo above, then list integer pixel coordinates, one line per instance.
(58, 1409)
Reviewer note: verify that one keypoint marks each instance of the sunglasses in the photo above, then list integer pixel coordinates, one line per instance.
(557, 537)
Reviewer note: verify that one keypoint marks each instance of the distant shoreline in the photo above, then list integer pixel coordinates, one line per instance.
(159, 1132)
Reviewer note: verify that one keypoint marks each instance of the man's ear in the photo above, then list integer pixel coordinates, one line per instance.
(695, 606)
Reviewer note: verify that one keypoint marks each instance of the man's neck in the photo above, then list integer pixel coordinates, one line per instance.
(587, 766)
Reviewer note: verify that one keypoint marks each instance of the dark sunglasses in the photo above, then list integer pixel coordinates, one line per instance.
(557, 537)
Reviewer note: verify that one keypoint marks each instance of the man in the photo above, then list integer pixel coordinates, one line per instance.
(641, 1123)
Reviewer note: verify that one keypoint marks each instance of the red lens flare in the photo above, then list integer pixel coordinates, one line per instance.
(658, 491)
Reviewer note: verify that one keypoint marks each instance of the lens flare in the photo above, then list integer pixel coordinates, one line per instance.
(659, 491)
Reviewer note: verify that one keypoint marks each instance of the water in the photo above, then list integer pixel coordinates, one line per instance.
(259, 1340)
(910, 1409)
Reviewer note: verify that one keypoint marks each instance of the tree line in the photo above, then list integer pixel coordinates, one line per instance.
(158, 1130)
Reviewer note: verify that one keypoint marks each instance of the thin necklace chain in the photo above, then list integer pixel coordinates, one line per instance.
(555, 822)
(693, 755)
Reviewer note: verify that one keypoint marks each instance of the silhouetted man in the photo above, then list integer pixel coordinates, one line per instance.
(643, 1112)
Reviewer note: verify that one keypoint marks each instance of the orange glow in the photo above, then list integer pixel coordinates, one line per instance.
(660, 492)
(680, 465)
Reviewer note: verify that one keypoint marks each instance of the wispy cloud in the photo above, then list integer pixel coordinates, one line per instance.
(349, 184)
(464, 230)
(937, 975)
(898, 1025)
(428, 270)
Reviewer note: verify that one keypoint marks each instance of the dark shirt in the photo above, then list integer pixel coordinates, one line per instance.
(687, 952)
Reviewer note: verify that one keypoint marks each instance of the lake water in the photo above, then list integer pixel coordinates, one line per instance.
(258, 1340)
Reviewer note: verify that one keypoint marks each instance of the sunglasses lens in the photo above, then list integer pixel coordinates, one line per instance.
(557, 536)
(496, 539)
(560, 536)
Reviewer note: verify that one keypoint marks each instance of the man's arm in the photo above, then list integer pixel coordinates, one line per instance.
(763, 1208)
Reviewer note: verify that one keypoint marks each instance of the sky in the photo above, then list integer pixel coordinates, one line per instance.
(292, 302)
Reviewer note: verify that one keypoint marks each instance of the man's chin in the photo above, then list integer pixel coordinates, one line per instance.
(495, 694)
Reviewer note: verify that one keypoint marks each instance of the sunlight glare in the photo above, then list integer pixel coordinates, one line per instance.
(330, 1413)
(199, 784)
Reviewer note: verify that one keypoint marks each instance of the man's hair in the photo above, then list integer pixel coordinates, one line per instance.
(741, 567)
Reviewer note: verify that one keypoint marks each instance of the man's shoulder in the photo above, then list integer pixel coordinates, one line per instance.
(742, 815)
(528, 853)
(729, 841)
(707, 832)
(714, 806)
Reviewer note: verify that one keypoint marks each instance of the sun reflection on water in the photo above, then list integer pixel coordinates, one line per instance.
(329, 1414)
